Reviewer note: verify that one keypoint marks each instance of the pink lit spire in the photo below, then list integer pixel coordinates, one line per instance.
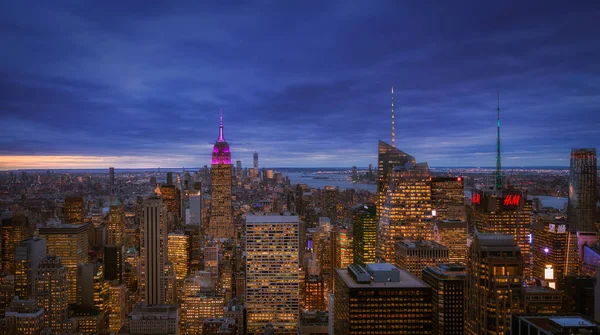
(221, 136)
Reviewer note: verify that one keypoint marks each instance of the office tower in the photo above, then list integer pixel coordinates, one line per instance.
(23, 317)
(74, 210)
(365, 233)
(211, 259)
(155, 319)
(406, 212)
(117, 304)
(448, 198)
(505, 212)
(221, 218)
(541, 300)
(323, 250)
(494, 283)
(415, 256)
(114, 262)
(578, 294)
(194, 210)
(116, 223)
(12, 231)
(255, 165)
(196, 308)
(380, 299)
(272, 262)
(111, 179)
(171, 197)
(556, 324)
(330, 203)
(453, 235)
(389, 157)
(448, 292)
(554, 252)
(343, 240)
(7, 292)
(314, 293)
(70, 243)
(28, 255)
(238, 169)
(179, 255)
(52, 292)
(153, 251)
(581, 210)
(92, 289)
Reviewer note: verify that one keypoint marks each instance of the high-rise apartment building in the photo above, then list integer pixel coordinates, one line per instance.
(448, 198)
(272, 263)
(414, 256)
(379, 298)
(28, 255)
(452, 234)
(554, 251)
(153, 251)
(494, 284)
(365, 233)
(116, 223)
(221, 214)
(388, 157)
(74, 210)
(448, 295)
(406, 212)
(52, 292)
(581, 210)
(70, 243)
(506, 212)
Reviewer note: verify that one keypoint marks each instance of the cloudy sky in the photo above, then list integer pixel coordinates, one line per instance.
(304, 83)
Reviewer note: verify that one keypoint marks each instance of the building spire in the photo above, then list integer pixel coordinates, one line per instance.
(221, 136)
(498, 184)
(393, 121)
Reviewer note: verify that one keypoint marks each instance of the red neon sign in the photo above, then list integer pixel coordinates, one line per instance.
(512, 200)
(476, 199)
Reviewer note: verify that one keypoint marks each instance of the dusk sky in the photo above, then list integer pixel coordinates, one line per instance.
(303, 83)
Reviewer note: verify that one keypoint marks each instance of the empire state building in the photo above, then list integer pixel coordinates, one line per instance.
(221, 219)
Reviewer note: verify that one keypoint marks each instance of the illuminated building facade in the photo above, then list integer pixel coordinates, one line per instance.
(52, 292)
(388, 157)
(506, 212)
(581, 210)
(494, 284)
(380, 299)
(272, 270)
(541, 300)
(114, 263)
(344, 247)
(453, 235)
(116, 223)
(23, 317)
(117, 305)
(70, 243)
(407, 209)
(171, 198)
(28, 255)
(155, 319)
(415, 256)
(179, 255)
(199, 307)
(330, 195)
(448, 295)
(221, 216)
(12, 230)
(153, 251)
(323, 250)
(74, 210)
(314, 298)
(555, 249)
(448, 198)
(365, 233)
(553, 324)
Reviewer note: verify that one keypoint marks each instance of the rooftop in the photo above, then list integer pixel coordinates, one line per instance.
(407, 280)
(423, 244)
(273, 218)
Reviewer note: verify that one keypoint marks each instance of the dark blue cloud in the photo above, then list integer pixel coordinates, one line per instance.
(304, 84)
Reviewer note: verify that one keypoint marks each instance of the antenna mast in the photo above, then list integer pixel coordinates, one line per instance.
(393, 121)
(498, 184)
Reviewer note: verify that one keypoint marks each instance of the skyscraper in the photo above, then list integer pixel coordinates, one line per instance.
(118, 307)
(379, 298)
(448, 295)
(581, 209)
(179, 255)
(74, 210)
(494, 284)
(238, 169)
(111, 179)
(52, 293)
(448, 198)
(272, 263)
(365, 234)
(255, 166)
(389, 157)
(221, 216)
(453, 235)
(116, 223)
(415, 256)
(28, 255)
(12, 230)
(154, 251)
(406, 212)
(554, 252)
(70, 243)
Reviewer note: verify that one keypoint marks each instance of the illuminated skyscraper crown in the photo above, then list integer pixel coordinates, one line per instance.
(221, 153)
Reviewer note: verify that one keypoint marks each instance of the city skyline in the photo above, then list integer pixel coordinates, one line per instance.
(140, 86)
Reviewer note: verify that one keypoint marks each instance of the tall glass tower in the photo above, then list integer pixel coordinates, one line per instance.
(582, 190)
(221, 218)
